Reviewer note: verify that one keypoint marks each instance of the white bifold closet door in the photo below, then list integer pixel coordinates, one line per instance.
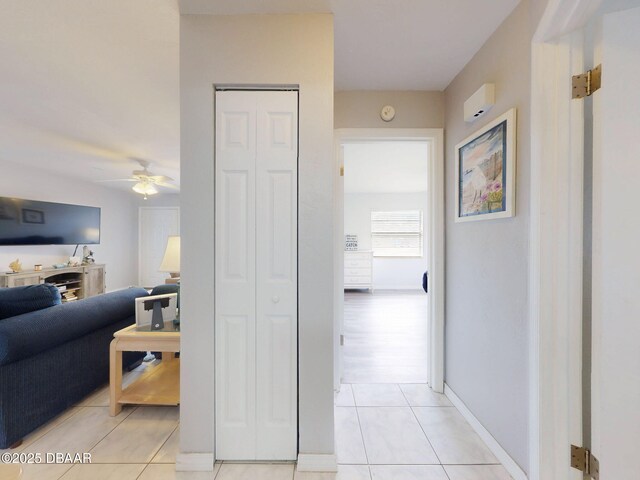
(256, 275)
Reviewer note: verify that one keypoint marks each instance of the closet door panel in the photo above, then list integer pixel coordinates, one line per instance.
(235, 277)
(256, 275)
(276, 275)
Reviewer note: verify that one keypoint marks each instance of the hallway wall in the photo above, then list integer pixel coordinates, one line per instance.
(487, 261)
(414, 109)
(257, 50)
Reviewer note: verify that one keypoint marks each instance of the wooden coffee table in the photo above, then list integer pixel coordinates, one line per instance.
(159, 385)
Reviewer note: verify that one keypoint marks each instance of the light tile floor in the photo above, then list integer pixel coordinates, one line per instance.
(407, 432)
(383, 432)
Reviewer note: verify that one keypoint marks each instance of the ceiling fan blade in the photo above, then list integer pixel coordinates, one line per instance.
(118, 180)
(167, 185)
(160, 178)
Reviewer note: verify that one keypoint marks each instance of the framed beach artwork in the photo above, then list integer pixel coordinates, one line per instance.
(486, 171)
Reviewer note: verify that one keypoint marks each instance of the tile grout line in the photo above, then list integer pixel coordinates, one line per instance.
(116, 426)
(143, 470)
(364, 445)
(421, 428)
(23, 447)
(165, 442)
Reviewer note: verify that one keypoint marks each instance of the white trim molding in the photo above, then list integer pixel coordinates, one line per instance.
(195, 462)
(556, 241)
(509, 463)
(434, 230)
(310, 462)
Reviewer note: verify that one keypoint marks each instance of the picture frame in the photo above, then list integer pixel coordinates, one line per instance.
(32, 216)
(486, 171)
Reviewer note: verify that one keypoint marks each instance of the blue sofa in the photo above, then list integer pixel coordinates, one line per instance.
(52, 355)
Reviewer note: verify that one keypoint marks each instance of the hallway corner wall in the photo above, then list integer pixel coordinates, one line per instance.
(257, 50)
(486, 339)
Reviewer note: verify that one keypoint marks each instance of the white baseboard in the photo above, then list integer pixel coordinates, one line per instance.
(195, 462)
(509, 463)
(308, 462)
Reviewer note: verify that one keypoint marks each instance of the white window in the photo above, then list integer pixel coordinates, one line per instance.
(397, 234)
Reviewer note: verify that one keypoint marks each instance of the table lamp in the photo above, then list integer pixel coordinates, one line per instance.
(171, 260)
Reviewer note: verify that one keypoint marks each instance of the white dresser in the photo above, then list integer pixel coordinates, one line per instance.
(358, 269)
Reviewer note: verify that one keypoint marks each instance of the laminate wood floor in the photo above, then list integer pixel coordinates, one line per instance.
(385, 337)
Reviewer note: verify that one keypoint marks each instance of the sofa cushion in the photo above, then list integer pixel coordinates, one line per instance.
(18, 300)
(25, 335)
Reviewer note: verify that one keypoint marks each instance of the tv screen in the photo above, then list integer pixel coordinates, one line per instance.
(29, 222)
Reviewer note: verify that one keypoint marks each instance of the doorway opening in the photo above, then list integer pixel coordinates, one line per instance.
(385, 336)
(389, 201)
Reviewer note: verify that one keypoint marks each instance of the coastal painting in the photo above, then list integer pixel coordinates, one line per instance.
(485, 172)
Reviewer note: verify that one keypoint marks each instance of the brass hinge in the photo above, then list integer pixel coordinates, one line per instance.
(583, 460)
(584, 85)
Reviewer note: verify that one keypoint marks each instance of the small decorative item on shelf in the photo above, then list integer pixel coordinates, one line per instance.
(59, 265)
(87, 256)
(74, 261)
(37, 267)
(16, 266)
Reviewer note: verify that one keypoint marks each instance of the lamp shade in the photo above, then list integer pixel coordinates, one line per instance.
(171, 261)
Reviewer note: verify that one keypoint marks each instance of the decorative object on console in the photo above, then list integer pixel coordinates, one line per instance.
(74, 261)
(15, 266)
(87, 256)
(145, 181)
(171, 260)
(37, 267)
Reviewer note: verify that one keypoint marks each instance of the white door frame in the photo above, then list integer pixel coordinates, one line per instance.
(556, 238)
(435, 190)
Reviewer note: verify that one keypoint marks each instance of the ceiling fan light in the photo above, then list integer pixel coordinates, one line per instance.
(144, 188)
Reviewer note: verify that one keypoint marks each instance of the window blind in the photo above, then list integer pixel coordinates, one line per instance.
(397, 234)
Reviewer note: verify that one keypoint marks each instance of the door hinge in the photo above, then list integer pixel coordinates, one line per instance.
(585, 84)
(583, 460)
(341, 340)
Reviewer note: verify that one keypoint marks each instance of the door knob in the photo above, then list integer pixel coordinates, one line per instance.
(275, 299)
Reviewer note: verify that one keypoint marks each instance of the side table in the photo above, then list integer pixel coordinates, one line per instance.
(159, 385)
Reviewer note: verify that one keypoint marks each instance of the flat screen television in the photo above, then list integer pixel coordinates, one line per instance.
(29, 222)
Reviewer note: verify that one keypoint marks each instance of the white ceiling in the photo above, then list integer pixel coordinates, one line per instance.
(385, 167)
(389, 44)
(86, 86)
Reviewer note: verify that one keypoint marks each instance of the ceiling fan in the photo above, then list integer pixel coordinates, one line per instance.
(145, 181)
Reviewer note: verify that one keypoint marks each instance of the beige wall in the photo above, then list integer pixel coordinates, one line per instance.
(487, 261)
(414, 109)
(263, 50)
